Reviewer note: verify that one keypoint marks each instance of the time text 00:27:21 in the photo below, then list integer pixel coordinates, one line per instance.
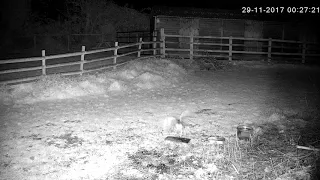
(271, 10)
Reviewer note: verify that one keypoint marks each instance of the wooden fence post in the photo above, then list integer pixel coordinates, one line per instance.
(191, 46)
(163, 43)
(269, 49)
(304, 47)
(43, 52)
(139, 47)
(115, 54)
(83, 49)
(154, 45)
(230, 49)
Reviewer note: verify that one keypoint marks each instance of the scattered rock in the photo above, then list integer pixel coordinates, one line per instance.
(177, 139)
(117, 86)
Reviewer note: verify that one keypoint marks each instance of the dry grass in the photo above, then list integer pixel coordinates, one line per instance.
(272, 153)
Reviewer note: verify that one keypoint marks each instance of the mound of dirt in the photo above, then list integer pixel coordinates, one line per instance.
(141, 74)
(149, 80)
(128, 74)
(162, 67)
(92, 88)
(117, 86)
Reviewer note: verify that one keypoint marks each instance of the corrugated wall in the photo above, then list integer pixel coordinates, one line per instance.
(233, 28)
(210, 27)
(291, 32)
(272, 30)
(171, 25)
(309, 33)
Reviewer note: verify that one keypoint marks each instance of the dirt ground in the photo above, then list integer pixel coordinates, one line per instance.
(93, 137)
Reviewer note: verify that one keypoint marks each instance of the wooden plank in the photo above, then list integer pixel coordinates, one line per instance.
(20, 60)
(163, 44)
(100, 50)
(83, 49)
(269, 49)
(43, 62)
(191, 47)
(230, 48)
(213, 56)
(64, 55)
(19, 80)
(151, 42)
(20, 70)
(100, 59)
(139, 48)
(211, 44)
(129, 53)
(129, 45)
(64, 64)
(177, 49)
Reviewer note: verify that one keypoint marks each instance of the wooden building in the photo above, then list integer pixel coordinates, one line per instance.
(225, 23)
(217, 22)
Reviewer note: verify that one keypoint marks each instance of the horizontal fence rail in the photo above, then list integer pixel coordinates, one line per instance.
(229, 47)
(21, 70)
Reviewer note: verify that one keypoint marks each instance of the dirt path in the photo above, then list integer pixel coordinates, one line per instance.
(90, 137)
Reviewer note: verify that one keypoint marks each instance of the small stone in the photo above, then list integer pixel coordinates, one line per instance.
(199, 173)
(211, 168)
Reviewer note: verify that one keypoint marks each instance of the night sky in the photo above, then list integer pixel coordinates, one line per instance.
(51, 8)
(228, 5)
(172, 3)
(223, 4)
(52, 5)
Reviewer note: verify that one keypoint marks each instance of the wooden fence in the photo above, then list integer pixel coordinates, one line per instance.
(230, 47)
(29, 69)
(78, 63)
